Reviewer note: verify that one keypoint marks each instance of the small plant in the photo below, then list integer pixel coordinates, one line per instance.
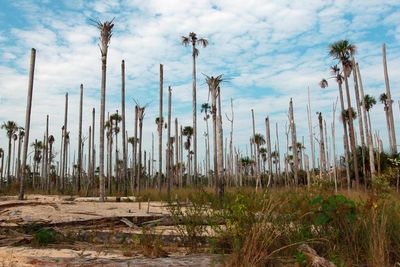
(46, 236)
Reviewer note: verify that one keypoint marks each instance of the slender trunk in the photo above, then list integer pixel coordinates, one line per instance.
(327, 162)
(27, 122)
(389, 103)
(310, 129)
(346, 136)
(93, 147)
(124, 145)
(64, 157)
(258, 180)
(231, 141)
(176, 152)
(360, 121)
(352, 133)
(194, 114)
(102, 188)
(268, 136)
(80, 140)
(19, 158)
(294, 142)
(89, 166)
(9, 160)
(221, 173)
(169, 179)
(214, 118)
(334, 145)
(160, 126)
(321, 147)
(140, 116)
(368, 130)
(46, 156)
(279, 155)
(181, 157)
(117, 178)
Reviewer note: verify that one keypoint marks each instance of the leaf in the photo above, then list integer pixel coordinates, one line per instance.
(316, 201)
(321, 219)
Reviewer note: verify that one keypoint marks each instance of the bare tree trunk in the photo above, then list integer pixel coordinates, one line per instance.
(124, 144)
(268, 137)
(64, 157)
(177, 166)
(194, 114)
(327, 161)
(321, 147)
(93, 148)
(279, 153)
(221, 172)
(181, 158)
(214, 118)
(352, 133)
(160, 129)
(294, 142)
(360, 121)
(46, 156)
(169, 179)
(368, 131)
(80, 140)
(27, 122)
(140, 116)
(258, 180)
(334, 145)
(389, 103)
(310, 130)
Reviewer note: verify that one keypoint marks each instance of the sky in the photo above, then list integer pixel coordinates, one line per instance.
(268, 52)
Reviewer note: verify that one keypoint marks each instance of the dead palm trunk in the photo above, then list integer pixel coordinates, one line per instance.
(214, 117)
(176, 152)
(258, 180)
(230, 141)
(220, 152)
(334, 145)
(124, 145)
(160, 126)
(310, 130)
(368, 130)
(46, 156)
(135, 147)
(279, 155)
(360, 120)
(169, 179)
(321, 147)
(80, 140)
(389, 103)
(64, 156)
(93, 148)
(346, 136)
(105, 36)
(268, 136)
(294, 142)
(352, 133)
(27, 122)
(140, 116)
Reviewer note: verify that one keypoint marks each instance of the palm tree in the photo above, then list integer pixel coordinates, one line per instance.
(105, 36)
(343, 50)
(115, 119)
(263, 154)
(206, 108)
(385, 101)
(188, 132)
(194, 40)
(37, 157)
(21, 134)
(369, 102)
(27, 121)
(11, 128)
(15, 138)
(275, 157)
(337, 75)
(258, 140)
(213, 84)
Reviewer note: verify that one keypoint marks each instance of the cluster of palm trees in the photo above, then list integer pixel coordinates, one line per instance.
(260, 168)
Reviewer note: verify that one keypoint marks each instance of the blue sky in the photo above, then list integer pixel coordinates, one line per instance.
(269, 51)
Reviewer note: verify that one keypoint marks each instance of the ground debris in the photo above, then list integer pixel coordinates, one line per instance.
(313, 258)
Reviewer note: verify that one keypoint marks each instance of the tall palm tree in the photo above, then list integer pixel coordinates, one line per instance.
(37, 157)
(188, 132)
(14, 138)
(194, 41)
(11, 128)
(343, 50)
(213, 84)
(105, 36)
(258, 140)
(369, 101)
(27, 121)
(160, 123)
(263, 155)
(337, 75)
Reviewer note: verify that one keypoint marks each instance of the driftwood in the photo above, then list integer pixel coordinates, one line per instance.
(313, 258)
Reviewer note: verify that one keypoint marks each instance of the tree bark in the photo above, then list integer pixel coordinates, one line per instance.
(80, 140)
(124, 144)
(169, 179)
(221, 173)
(294, 142)
(64, 157)
(160, 126)
(268, 136)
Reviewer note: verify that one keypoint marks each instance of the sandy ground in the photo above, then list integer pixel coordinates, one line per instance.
(55, 209)
(26, 256)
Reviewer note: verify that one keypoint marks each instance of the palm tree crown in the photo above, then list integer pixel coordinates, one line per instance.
(194, 40)
(369, 102)
(11, 128)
